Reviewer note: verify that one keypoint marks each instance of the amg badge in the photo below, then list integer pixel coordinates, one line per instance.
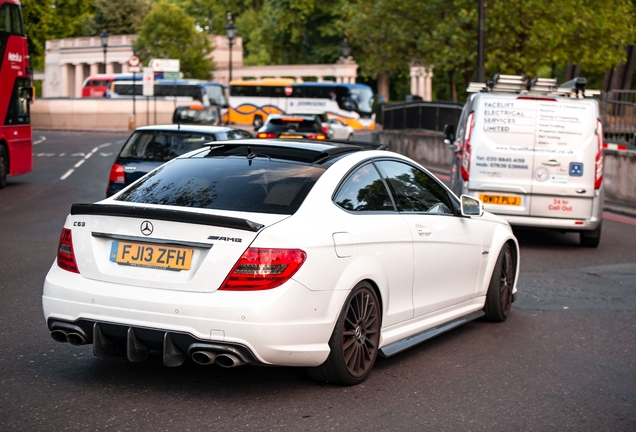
(228, 239)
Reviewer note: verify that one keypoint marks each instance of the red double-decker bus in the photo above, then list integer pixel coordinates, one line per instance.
(16, 92)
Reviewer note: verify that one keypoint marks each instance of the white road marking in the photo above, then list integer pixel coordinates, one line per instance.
(62, 154)
(105, 154)
(78, 164)
(43, 138)
(68, 173)
(105, 145)
(44, 154)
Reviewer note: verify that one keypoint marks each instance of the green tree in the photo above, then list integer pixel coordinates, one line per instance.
(168, 32)
(118, 17)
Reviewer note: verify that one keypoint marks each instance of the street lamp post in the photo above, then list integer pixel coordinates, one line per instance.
(345, 50)
(104, 37)
(480, 43)
(230, 31)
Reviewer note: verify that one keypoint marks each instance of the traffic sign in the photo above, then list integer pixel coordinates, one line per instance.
(135, 69)
(173, 75)
(149, 82)
(134, 61)
(165, 65)
(289, 90)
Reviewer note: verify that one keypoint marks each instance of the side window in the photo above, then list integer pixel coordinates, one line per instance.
(414, 190)
(364, 190)
(11, 19)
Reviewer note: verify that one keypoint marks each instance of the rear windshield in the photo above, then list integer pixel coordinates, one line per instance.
(161, 146)
(236, 183)
(201, 116)
(282, 125)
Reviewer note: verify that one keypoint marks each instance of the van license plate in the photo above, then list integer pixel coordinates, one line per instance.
(500, 199)
(154, 256)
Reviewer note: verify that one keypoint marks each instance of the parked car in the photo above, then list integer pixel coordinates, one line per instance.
(321, 255)
(150, 146)
(292, 126)
(533, 155)
(322, 117)
(198, 114)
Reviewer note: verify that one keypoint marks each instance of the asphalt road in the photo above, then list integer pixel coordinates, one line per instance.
(564, 360)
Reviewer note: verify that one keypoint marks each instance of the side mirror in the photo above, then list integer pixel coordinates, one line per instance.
(471, 206)
(449, 134)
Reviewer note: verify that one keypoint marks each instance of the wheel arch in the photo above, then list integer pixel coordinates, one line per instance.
(500, 238)
(3, 143)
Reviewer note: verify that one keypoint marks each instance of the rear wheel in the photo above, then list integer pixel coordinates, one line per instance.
(350, 137)
(4, 167)
(591, 238)
(355, 340)
(499, 297)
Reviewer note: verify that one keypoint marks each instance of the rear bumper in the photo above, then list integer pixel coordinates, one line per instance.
(553, 223)
(287, 326)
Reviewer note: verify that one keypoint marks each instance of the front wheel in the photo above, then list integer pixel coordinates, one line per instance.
(351, 138)
(355, 340)
(4, 167)
(499, 296)
(258, 122)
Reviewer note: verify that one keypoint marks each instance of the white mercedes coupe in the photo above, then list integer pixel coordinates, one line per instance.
(284, 252)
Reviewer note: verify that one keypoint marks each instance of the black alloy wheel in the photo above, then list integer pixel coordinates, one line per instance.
(499, 297)
(355, 340)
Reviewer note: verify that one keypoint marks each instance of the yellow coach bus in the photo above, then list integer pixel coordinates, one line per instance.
(250, 102)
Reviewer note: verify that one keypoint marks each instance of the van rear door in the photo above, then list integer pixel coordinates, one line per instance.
(564, 158)
(501, 159)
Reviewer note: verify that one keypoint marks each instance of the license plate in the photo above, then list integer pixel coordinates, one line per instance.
(500, 199)
(154, 256)
(291, 136)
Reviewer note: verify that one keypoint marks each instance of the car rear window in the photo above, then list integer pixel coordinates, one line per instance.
(235, 183)
(201, 116)
(293, 124)
(161, 146)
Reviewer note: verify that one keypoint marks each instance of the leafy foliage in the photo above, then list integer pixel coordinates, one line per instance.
(117, 17)
(168, 32)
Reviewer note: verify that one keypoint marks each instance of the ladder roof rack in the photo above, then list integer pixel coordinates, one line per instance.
(520, 84)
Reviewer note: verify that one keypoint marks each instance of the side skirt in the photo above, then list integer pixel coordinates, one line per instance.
(406, 343)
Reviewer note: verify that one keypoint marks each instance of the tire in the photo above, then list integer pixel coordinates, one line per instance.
(499, 296)
(258, 122)
(355, 340)
(350, 138)
(4, 167)
(592, 238)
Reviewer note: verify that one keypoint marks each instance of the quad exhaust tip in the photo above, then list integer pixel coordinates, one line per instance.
(63, 332)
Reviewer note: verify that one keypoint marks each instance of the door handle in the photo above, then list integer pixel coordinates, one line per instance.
(551, 162)
(424, 232)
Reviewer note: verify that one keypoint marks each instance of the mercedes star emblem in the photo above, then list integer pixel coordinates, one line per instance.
(146, 228)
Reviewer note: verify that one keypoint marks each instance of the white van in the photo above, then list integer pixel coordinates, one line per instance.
(534, 155)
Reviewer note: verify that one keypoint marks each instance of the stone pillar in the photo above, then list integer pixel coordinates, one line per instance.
(64, 80)
(124, 68)
(109, 68)
(320, 79)
(94, 68)
(429, 84)
(79, 80)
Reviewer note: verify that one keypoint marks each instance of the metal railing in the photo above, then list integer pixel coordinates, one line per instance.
(618, 115)
(421, 115)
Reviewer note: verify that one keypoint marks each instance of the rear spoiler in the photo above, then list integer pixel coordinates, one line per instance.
(165, 215)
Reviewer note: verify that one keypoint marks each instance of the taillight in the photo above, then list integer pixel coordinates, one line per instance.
(262, 269)
(598, 167)
(317, 136)
(325, 129)
(65, 254)
(466, 154)
(266, 135)
(117, 174)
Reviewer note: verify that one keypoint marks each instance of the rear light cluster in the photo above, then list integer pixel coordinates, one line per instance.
(65, 253)
(263, 269)
(466, 153)
(266, 135)
(598, 166)
(317, 136)
(117, 174)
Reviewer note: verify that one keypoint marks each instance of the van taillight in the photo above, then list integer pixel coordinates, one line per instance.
(466, 153)
(598, 167)
(266, 135)
(262, 269)
(117, 174)
(65, 253)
